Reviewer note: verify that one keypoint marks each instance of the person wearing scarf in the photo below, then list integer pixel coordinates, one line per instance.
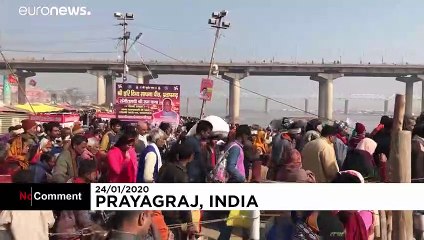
(361, 158)
(342, 132)
(360, 134)
(150, 160)
(281, 146)
(259, 144)
(292, 170)
(261, 157)
(380, 126)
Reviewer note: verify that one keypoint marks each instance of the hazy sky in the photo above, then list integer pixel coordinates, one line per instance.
(300, 30)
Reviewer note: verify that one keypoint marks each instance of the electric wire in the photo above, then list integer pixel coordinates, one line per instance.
(238, 86)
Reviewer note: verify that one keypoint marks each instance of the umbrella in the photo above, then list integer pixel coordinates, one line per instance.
(220, 126)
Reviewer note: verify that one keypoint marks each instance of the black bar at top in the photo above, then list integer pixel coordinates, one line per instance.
(44, 196)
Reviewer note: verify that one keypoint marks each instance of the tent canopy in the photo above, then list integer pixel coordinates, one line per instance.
(220, 126)
(38, 108)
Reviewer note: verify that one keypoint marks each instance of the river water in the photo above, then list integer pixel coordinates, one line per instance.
(252, 111)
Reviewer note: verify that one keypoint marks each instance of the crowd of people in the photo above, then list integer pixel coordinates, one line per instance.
(299, 151)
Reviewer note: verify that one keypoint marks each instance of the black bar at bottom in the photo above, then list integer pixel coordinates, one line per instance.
(44, 196)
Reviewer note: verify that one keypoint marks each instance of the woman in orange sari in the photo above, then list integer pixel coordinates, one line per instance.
(259, 169)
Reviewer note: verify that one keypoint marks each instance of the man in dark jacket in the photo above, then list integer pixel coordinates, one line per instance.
(417, 153)
(249, 156)
(176, 172)
(197, 170)
(42, 170)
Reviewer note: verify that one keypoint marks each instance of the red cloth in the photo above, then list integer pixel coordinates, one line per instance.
(12, 79)
(342, 138)
(121, 168)
(355, 227)
(377, 129)
(36, 157)
(78, 180)
(213, 157)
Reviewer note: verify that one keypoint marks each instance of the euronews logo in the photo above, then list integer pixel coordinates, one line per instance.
(53, 11)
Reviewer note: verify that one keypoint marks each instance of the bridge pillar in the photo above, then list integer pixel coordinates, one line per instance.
(409, 93)
(234, 92)
(110, 89)
(386, 106)
(325, 98)
(266, 105)
(101, 85)
(306, 105)
(422, 91)
(346, 107)
(143, 77)
(22, 76)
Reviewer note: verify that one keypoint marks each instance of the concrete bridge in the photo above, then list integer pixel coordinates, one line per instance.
(324, 74)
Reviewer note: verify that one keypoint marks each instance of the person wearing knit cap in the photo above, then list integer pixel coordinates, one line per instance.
(360, 134)
(319, 156)
(30, 131)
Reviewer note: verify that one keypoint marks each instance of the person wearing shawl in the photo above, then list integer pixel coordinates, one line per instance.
(259, 143)
(361, 158)
(360, 134)
(292, 171)
(261, 153)
(18, 152)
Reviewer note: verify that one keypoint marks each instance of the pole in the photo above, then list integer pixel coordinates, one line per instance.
(256, 225)
(124, 75)
(188, 103)
(400, 166)
(211, 61)
(226, 106)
